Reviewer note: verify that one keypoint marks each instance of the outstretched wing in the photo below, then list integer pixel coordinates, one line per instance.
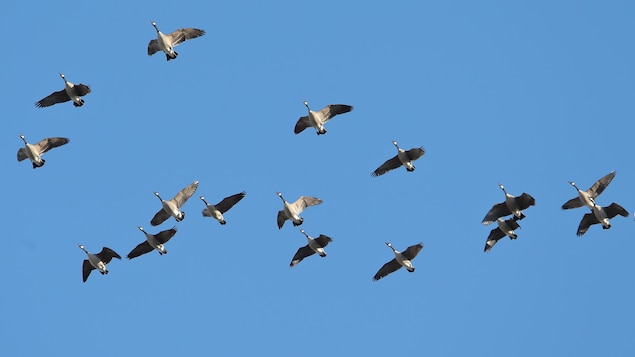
(524, 201)
(614, 209)
(388, 268)
(159, 217)
(53, 98)
(302, 124)
(185, 194)
(50, 143)
(304, 202)
(22, 154)
(323, 240)
(153, 47)
(164, 236)
(498, 210)
(86, 269)
(494, 236)
(184, 34)
(107, 254)
(599, 186)
(573, 203)
(411, 252)
(301, 254)
(587, 221)
(282, 217)
(229, 202)
(81, 89)
(415, 153)
(390, 164)
(140, 249)
(332, 110)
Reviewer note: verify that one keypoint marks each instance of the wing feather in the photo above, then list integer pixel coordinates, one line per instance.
(140, 249)
(386, 269)
(498, 210)
(53, 98)
(185, 194)
(390, 164)
(302, 253)
(229, 202)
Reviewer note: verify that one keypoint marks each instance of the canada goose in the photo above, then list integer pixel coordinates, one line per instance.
(587, 198)
(316, 245)
(70, 92)
(153, 241)
(292, 210)
(216, 211)
(402, 259)
(172, 207)
(34, 152)
(505, 228)
(97, 261)
(166, 43)
(319, 118)
(403, 157)
(512, 205)
(601, 215)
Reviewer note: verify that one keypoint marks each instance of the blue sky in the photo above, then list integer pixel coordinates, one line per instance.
(530, 94)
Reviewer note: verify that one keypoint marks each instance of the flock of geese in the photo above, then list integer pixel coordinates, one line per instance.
(512, 206)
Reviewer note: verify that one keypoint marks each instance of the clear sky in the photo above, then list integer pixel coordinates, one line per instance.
(530, 94)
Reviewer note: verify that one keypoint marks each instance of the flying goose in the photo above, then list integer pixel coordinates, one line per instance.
(292, 210)
(166, 43)
(587, 198)
(403, 157)
(402, 259)
(153, 241)
(70, 92)
(318, 119)
(505, 228)
(97, 261)
(34, 152)
(216, 211)
(601, 215)
(316, 245)
(172, 207)
(512, 205)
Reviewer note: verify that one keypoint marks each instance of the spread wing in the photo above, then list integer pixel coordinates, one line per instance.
(185, 194)
(166, 235)
(140, 249)
(107, 254)
(415, 153)
(159, 217)
(614, 209)
(388, 268)
(494, 236)
(599, 186)
(587, 221)
(81, 89)
(53, 98)
(229, 202)
(390, 164)
(22, 154)
(282, 217)
(86, 269)
(184, 34)
(498, 210)
(412, 251)
(573, 203)
(301, 254)
(524, 201)
(332, 110)
(302, 124)
(304, 202)
(153, 47)
(50, 143)
(323, 240)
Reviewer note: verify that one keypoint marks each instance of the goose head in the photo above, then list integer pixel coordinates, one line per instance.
(502, 188)
(22, 137)
(574, 186)
(395, 143)
(159, 197)
(141, 229)
(63, 77)
(390, 246)
(303, 232)
(155, 25)
(203, 199)
(82, 248)
(306, 104)
(280, 195)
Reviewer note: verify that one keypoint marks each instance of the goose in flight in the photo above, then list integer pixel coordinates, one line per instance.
(315, 245)
(292, 210)
(172, 207)
(587, 198)
(318, 119)
(512, 205)
(166, 43)
(34, 152)
(97, 261)
(402, 259)
(403, 157)
(216, 211)
(71, 91)
(505, 228)
(600, 215)
(153, 241)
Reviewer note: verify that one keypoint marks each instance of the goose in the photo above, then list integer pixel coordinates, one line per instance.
(403, 157)
(318, 119)
(402, 259)
(97, 261)
(216, 211)
(71, 91)
(587, 198)
(292, 210)
(172, 207)
(600, 215)
(505, 228)
(34, 152)
(512, 205)
(166, 43)
(315, 245)
(153, 241)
